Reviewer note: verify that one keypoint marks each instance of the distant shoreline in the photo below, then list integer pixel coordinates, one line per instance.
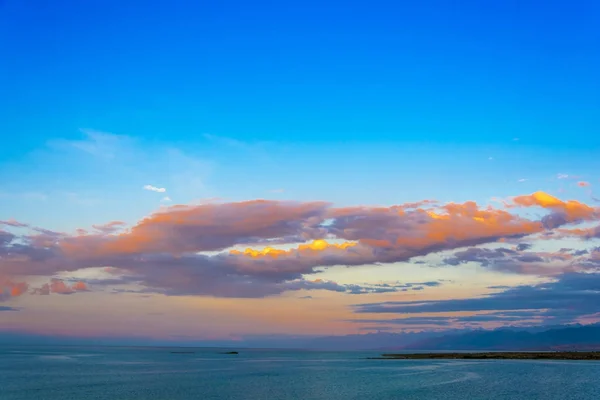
(512, 355)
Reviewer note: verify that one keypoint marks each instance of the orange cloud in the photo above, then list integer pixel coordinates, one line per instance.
(79, 286)
(393, 234)
(315, 246)
(11, 288)
(206, 227)
(584, 233)
(166, 252)
(58, 286)
(427, 229)
(573, 209)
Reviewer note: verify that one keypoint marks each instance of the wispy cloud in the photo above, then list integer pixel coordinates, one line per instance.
(102, 145)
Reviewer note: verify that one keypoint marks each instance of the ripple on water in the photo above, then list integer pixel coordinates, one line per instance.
(56, 358)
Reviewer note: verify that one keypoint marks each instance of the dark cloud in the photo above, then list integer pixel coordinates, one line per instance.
(249, 287)
(445, 321)
(555, 220)
(110, 227)
(532, 263)
(3, 308)
(523, 246)
(577, 253)
(376, 328)
(482, 256)
(5, 238)
(440, 321)
(571, 296)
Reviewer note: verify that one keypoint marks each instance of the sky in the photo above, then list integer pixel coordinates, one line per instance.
(214, 171)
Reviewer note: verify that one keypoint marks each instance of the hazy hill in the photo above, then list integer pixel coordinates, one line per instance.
(568, 337)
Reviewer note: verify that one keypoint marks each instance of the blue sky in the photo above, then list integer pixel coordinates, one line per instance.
(354, 103)
(373, 103)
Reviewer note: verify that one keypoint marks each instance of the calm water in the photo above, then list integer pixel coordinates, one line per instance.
(50, 373)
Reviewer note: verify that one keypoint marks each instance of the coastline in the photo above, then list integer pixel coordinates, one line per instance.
(509, 355)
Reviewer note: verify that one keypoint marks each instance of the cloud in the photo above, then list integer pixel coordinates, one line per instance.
(583, 233)
(155, 189)
(10, 288)
(79, 287)
(206, 227)
(6, 237)
(569, 297)
(565, 211)
(523, 246)
(197, 249)
(583, 184)
(520, 262)
(514, 318)
(166, 199)
(2, 308)
(99, 144)
(110, 227)
(13, 223)
(522, 180)
(58, 286)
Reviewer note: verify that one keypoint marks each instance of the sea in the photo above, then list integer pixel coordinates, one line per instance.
(138, 373)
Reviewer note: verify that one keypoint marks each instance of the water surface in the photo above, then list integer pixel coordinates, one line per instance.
(52, 373)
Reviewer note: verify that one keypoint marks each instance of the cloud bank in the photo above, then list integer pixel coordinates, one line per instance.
(262, 248)
(566, 299)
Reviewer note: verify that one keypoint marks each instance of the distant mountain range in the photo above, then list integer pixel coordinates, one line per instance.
(574, 337)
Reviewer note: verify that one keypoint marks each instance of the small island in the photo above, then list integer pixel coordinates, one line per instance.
(230, 352)
(513, 355)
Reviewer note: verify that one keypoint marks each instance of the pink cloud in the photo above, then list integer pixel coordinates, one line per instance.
(166, 252)
(59, 286)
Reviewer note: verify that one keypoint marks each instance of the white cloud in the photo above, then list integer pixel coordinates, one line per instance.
(562, 176)
(155, 189)
(166, 199)
(522, 180)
